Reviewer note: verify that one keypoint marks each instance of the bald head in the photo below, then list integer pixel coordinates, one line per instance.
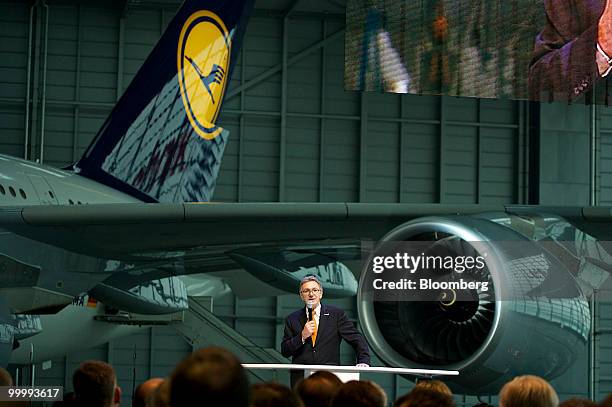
(146, 390)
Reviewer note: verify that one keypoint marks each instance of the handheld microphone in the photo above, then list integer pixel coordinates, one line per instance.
(310, 310)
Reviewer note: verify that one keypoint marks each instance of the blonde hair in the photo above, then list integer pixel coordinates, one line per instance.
(528, 390)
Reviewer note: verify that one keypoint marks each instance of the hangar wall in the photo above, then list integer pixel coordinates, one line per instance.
(296, 135)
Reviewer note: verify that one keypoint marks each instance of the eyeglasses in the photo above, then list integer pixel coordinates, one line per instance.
(315, 291)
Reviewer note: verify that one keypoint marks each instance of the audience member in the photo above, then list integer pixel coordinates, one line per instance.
(318, 389)
(209, 377)
(607, 402)
(273, 395)
(161, 396)
(5, 378)
(95, 385)
(434, 385)
(145, 390)
(420, 397)
(578, 402)
(528, 390)
(359, 394)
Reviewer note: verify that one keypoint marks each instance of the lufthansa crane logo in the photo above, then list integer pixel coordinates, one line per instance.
(202, 61)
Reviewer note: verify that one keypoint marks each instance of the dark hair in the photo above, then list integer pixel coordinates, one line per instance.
(418, 397)
(318, 389)
(209, 376)
(578, 402)
(273, 395)
(94, 383)
(359, 394)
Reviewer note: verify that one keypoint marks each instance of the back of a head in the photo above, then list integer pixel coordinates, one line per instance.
(209, 376)
(145, 390)
(318, 389)
(528, 390)
(94, 383)
(359, 394)
(434, 385)
(273, 395)
(578, 402)
(5, 377)
(161, 396)
(424, 397)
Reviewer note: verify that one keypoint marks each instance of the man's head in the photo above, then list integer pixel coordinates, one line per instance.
(145, 390)
(318, 389)
(311, 291)
(95, 384)
(528, 391)
(422, 397)
(273, 395)
(578, 402)
(359, 394)
(5, 377)
(212, 376)
(434, 385)
(161, 396)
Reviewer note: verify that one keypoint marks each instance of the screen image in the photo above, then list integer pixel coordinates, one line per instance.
(542, 50)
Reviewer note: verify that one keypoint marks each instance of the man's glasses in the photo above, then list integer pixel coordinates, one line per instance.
(314, 291)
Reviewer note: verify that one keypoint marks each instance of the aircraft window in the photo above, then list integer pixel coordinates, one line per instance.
(80, 203)
(12, 191)
(23, 194)
(51, 194)
(71, 202)
(2, 190)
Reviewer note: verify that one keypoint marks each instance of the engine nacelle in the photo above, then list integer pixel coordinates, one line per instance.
(532, 319)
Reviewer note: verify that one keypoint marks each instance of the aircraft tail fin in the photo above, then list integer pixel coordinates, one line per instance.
(161, 142)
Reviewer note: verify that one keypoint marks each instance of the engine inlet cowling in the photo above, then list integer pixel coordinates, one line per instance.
(532, 317)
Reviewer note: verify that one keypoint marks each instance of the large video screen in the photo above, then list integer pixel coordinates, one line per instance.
(545, 50)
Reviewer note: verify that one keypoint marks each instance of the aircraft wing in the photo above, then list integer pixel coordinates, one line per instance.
(119, 230)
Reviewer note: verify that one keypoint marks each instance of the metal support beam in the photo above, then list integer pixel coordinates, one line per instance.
(120, 57)
(593, 154)
(441, 154)
(322, 110)
(521, 152)
(363, 129)
(276, 68)
(400, 153)
(28, 84)
(152, 345)
(283, 112)
(35, 86)
(478, 151)
(77, 88)
(242, 125)
(44, 87)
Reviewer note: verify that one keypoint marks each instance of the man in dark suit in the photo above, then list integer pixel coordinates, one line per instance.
(573, 50)
(317, 342)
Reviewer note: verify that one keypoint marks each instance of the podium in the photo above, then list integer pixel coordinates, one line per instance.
(347, 373)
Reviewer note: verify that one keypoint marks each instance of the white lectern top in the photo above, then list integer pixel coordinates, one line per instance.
(371, 369)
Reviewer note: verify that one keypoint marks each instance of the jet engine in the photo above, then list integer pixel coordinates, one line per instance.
(532, 319)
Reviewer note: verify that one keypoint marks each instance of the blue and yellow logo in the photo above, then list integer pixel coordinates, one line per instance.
(203, 55)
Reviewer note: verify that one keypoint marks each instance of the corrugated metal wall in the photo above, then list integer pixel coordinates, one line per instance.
(296, 135)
